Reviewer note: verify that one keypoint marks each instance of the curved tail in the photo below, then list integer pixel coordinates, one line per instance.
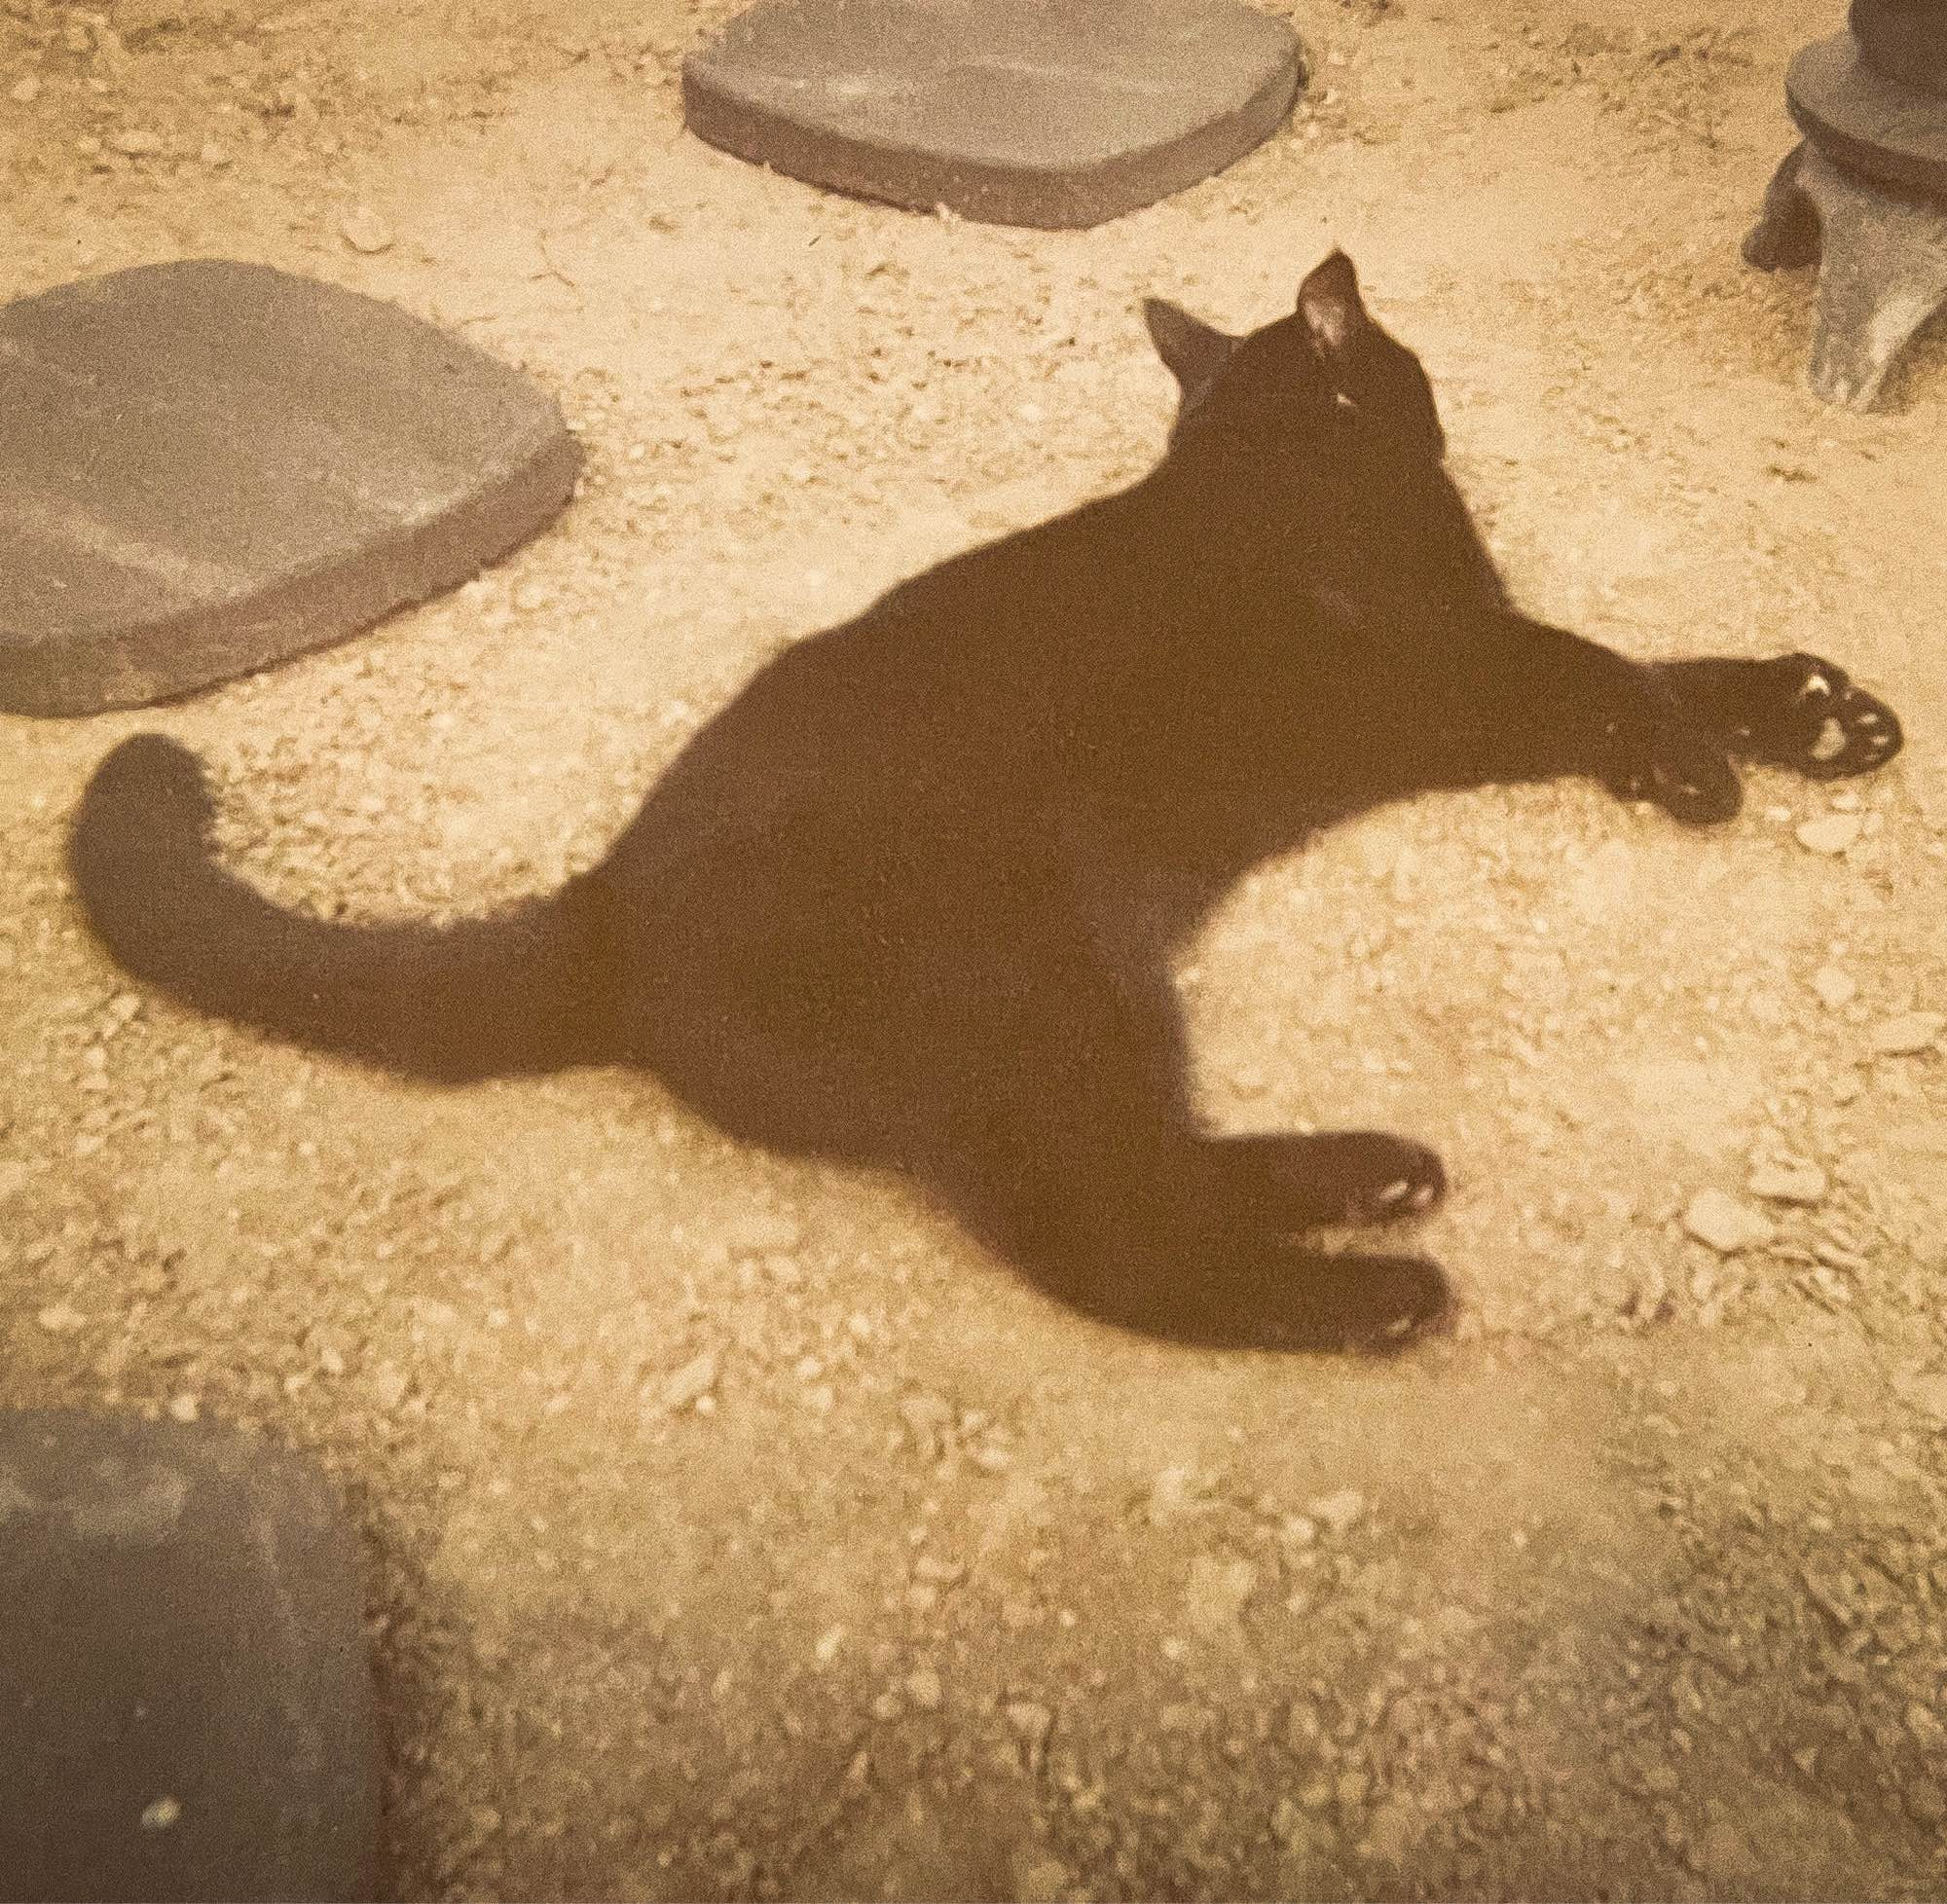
(518, 991)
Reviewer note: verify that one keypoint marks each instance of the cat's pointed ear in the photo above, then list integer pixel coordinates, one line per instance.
(1330, 306)
(1191, 350)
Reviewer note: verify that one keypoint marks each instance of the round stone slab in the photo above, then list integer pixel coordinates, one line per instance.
(186, 1707)
(1862, 119)
(1050, 113)
(207, 467)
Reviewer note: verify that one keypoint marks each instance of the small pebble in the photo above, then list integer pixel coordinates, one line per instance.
(691, 1382)
(1831, 832)
(1909, 1032)
(186, 1408)
(1836, 989)
(1218, 1591)
(1340, 1511)
(1042, 1882)
(59, 1319)
(136, 142)
(160, 1813)
(923, 1687)
(1787, 1182)
(363, 230)
(1031, 1721)
(25, 91)
(1717, 1219)
(389, 1385)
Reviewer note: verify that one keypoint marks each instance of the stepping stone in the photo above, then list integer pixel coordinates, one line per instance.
(1050, 113)
(208, 467)
(186, 1709)
(1865, 197)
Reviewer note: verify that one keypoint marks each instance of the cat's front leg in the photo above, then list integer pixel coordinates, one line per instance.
(1585, 709)
(1795, 710)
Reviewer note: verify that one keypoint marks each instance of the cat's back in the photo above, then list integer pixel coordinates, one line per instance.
(846, 728)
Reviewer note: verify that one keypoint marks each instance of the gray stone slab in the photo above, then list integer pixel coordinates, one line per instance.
(186, 1707)
(1865, 121)
(1050, 113)
(208, 466)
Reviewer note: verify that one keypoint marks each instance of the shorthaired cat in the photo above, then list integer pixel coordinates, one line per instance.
(911, 898)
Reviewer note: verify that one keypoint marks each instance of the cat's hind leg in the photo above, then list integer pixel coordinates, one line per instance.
(1795, 710)
(1072, 1150)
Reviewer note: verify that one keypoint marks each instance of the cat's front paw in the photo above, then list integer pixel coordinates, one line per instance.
(1680, 767)
(1812, 718)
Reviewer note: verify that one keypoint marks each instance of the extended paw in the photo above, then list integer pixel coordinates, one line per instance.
(1680, 767)
(1295, 1181)
(1812, 718)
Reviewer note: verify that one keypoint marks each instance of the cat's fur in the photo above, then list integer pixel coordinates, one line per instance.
(911, 898)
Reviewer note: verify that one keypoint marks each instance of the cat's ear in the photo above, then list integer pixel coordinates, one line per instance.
(1330, 306)
(1191, 350)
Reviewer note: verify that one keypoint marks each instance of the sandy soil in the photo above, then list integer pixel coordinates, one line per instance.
(737, 1528)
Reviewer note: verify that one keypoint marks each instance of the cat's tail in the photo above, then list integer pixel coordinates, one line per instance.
(519, 991)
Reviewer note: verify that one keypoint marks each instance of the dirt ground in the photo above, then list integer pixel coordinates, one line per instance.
(737, 1528)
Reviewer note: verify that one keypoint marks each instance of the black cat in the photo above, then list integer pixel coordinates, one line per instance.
(910, 899)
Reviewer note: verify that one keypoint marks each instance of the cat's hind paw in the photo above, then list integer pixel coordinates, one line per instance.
(1371, 1304)
(1299, 1181)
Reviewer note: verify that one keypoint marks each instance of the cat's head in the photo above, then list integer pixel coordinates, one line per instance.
(1331, 364)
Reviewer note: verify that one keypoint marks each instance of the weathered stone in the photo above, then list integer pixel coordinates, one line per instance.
(1050, 113)
(1865, 118)
(210, 466)
(188, 1708)
(1882, 254)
